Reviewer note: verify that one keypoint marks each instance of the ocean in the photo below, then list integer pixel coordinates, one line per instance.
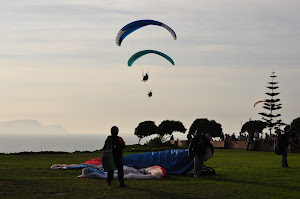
(65, 143)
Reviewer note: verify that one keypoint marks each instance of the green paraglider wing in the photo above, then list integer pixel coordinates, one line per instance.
(145, 52)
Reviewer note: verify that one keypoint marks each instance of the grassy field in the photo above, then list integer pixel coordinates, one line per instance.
(239, 174)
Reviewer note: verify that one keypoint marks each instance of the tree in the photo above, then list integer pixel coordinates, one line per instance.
(145, 129)
(254, 126)
(296, 124)
(272, 105)
(167, 127)
(206, 126)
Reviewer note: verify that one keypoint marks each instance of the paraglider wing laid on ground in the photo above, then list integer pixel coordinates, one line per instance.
(94, 169)
(174, 161)
(133, 26)
(139, 54)
(154, 172)
(142, 166)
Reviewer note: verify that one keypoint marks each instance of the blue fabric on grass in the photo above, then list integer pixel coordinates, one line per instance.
(175, 161)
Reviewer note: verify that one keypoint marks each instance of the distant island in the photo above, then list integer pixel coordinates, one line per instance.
(30, 127)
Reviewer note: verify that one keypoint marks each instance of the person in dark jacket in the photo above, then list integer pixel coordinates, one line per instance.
(294, 138)
(117, 145)
(286, 140)
(250, 141)
(197, 149)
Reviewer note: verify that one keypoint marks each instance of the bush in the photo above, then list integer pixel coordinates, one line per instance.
(157, 142)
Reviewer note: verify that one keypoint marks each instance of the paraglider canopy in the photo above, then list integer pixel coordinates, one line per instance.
(260, 102)
(145, 52)
(133, 26)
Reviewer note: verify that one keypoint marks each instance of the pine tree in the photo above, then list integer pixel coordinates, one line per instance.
(272, 105)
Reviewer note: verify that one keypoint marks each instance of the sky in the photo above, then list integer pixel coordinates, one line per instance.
(60, 64)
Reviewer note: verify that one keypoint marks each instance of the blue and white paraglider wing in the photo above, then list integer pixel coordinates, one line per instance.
(133, 26)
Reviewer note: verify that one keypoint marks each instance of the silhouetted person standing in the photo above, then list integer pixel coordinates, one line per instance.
(115, 145)
(197, 149)
(285, 141)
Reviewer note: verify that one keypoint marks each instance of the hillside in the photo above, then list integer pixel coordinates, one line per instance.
(30, 127)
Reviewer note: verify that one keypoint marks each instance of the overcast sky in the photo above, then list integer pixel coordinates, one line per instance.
(60, 64)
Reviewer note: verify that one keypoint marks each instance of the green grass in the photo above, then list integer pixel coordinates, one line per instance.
(239, 174)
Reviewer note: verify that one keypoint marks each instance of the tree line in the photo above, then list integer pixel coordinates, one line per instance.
(258, 126)
(168, 127)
